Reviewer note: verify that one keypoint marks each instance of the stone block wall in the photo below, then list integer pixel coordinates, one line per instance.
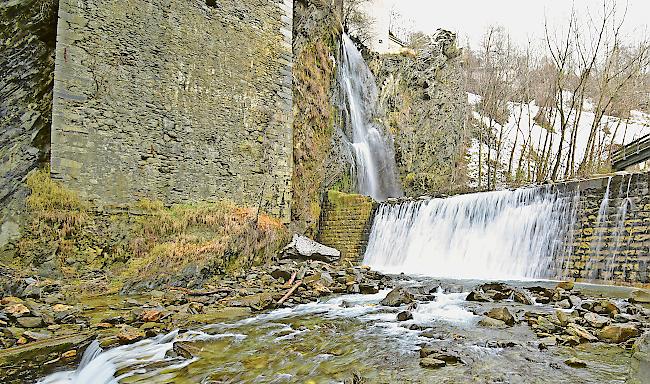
(614, 246)
(175, 100)
(27, 39)
(345, 224)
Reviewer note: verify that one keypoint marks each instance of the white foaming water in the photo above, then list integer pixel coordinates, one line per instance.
(374, 159)
(149, 360)
(100, 367)
(495, 235)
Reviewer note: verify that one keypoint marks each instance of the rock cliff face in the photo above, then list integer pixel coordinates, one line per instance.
(425, 104)
(317, 32)
(180, 101)
(27, 39)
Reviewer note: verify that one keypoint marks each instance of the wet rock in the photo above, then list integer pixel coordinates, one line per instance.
(30, 322)
(17, 310)
(492, 323)
(566, 285)
(258, 301)
(618, 333)
(575, 301)
(302, 247)
(431, 334)
(503, 314)
(569, 340)
(448, 357)
(640, 296)
(640, 363)
(368, 289)
(151, 315)
(61, 308)
(128, 335)
(575, 363)
(595, 320)
(430, 362)
(521, 297)
(26, 362)
(503, 288)
(547, 342)
(281, 274)
(36, 335)
(606, 307)
(398, 296)
(580, 332)
(404, 316)
(564, 304)
(543, 323)
(477, 296)
(562, 318)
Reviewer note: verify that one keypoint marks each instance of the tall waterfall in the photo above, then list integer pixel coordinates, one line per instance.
(374, 159)
(516, 234)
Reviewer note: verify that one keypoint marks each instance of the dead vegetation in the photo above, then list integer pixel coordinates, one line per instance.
(64, 236)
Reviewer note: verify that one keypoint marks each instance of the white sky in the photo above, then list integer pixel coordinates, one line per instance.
(523, 19)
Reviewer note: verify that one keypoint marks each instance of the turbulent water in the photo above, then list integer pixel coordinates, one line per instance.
(516, 234)
(374, 159)
(333, 340)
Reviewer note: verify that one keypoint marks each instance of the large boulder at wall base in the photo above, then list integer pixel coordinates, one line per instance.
(398, 296)
(302, 247)
(640, 364)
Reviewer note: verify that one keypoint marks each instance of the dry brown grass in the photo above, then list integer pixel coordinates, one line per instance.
(220, 234)
(155, 240)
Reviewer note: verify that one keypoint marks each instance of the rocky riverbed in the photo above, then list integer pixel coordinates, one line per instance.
(312, 320)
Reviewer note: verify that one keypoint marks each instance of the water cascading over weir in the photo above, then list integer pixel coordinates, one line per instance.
(372, 148)
(592, 230)
(520, 234)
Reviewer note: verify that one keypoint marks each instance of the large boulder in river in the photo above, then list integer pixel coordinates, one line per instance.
(618, 333)
(503, 314)
(398, 296)
(302, 247)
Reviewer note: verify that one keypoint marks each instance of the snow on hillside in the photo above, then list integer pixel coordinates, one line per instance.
(527, 131)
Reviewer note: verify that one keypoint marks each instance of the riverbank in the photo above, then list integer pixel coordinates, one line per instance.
(330, 315)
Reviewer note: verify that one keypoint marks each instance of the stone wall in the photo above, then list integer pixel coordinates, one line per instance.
(345, 224)
(425, 102)
(27, 39)
(176, 100)
(616, 246)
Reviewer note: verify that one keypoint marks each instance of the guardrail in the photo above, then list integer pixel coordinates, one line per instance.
(632, 153)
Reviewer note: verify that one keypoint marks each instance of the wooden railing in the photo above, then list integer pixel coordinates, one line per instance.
(632, 153)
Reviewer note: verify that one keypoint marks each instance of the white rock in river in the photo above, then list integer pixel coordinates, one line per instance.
(301, 246)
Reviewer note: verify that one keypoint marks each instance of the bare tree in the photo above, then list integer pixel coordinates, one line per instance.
(356, 20)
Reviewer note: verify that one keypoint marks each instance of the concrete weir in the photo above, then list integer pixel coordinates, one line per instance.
(594, 230)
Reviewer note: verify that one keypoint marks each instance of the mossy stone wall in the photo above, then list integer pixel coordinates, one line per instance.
(615, 247)
(175, 100)
(345, 224)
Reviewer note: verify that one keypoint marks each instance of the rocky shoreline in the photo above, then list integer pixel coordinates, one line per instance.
(43, 330)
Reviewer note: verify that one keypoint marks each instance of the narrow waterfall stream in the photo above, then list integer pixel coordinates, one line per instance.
(374, 159)
(496, 235)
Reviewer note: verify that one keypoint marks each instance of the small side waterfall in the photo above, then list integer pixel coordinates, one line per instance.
(518, 234)
(374, 159)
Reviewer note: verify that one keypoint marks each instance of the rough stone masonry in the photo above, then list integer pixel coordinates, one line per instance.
(174, 100)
